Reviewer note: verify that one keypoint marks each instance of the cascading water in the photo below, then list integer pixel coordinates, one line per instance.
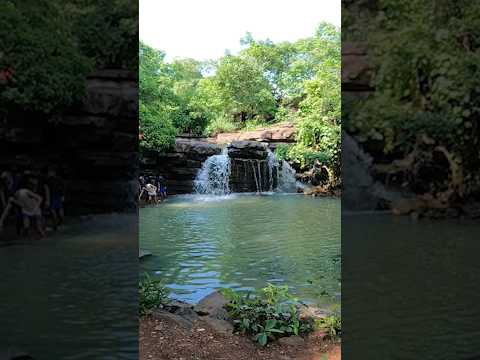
(214, 176)
(220, 173)
(286, 178)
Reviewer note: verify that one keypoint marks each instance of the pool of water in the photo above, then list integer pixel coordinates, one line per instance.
(410, 288)
(203, 243)
(74, 294)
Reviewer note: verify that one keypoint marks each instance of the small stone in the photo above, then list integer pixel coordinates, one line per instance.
(291, 341)
(200, 329)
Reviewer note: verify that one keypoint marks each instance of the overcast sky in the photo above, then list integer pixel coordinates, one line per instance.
(204, 29)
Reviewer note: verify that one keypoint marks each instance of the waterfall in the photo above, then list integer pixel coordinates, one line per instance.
(286, 178)
(255, 176)
(272, 167)
(285, 174)
(214, 176)
(220, 173)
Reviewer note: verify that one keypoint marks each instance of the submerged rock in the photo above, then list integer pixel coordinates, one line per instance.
(144, 253)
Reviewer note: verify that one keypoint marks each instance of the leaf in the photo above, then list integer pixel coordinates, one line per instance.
(262, 338)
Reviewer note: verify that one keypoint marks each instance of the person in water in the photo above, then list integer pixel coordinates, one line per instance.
(54, 193)
(29, 204)
(151, 193)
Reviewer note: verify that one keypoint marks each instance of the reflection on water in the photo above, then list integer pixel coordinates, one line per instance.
(410, 288)
(73, 295)
(200, 243)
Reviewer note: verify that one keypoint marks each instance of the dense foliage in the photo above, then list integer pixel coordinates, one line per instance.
(268, 314)
(49, 47)
(265, 83)
(151, 295)
(427, 100)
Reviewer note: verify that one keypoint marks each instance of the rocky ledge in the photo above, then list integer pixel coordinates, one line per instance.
(211, 310)
(282, 133)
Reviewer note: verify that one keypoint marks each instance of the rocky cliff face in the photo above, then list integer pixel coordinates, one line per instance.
(251, 169)
(95, 144)
(179, 166)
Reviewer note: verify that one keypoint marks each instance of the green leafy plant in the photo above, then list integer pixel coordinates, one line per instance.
(332, 324)
(152, 294)
(267, 314)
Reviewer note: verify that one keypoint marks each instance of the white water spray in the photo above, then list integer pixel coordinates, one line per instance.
(214, 176)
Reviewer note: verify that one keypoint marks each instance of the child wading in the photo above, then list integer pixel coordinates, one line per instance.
(30, 208)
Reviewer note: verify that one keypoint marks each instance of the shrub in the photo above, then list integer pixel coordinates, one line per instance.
(281, 152)
(220, 125)
(152, 294)
(332, 324)
(267, 314)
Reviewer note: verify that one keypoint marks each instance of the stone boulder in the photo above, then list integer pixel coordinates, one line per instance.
(357, 72)
(196, 148)
(247, 150)
(213, 305)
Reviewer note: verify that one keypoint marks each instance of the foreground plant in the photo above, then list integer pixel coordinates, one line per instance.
(267, 314)
(152, 294)
(332, 324)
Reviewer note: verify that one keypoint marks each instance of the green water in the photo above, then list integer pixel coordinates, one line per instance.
(72, 295)
(202, 243)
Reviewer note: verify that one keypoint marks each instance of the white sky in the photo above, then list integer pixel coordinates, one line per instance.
(204, 29)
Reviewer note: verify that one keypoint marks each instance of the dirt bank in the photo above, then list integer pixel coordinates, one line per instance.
(162, 339)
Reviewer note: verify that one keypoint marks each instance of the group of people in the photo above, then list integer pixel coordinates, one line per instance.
(152, 189)
(31, 199)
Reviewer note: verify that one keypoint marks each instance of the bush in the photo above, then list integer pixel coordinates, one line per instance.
(332, 324)
(281, 152)
(220, 125)
(152, 294)
(267, 314)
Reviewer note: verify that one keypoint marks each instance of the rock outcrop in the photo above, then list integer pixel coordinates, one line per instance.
(179, 166)
(283, 133)
(94, 144)
(251, 168)
(357, 72)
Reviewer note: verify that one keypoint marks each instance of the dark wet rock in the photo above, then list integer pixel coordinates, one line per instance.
(247, 150)
(213, 305)
(291, 341)
(180, 165)
(175, 319)
(95, 143)
(187, 313)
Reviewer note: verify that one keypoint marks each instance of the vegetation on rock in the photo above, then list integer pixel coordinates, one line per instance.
(421, 123)
(268, 314)
(151, 294)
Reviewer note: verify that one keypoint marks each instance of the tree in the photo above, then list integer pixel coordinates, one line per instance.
(156, 100)
(243, 88)
(48, 67)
